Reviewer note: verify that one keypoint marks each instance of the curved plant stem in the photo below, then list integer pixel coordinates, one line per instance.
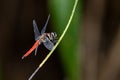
(61, 37)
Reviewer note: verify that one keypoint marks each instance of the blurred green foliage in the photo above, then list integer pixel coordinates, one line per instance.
(60, 13)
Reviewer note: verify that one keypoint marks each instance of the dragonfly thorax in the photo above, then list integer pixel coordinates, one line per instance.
(51, 36)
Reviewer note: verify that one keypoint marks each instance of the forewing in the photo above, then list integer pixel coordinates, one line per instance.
(48, 44)
(44, 28)
(36, 31)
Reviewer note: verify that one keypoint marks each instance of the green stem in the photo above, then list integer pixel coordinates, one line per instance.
(61, 37)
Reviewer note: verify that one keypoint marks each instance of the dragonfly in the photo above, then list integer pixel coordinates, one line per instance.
(48, 39)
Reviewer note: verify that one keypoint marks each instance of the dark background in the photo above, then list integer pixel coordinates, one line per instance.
(98, 37)
(17, 36)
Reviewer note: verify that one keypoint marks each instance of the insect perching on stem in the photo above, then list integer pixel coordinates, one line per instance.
(48, 38)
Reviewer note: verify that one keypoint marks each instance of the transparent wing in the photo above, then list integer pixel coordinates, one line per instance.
(48, 44)
(44, 28)
(36, 50)
(36, 31)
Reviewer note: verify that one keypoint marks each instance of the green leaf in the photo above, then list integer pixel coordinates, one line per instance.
(60, 11)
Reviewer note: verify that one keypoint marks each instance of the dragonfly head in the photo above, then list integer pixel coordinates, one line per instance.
(53, 37)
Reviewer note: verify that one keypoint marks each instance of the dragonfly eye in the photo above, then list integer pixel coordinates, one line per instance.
(54, 34)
